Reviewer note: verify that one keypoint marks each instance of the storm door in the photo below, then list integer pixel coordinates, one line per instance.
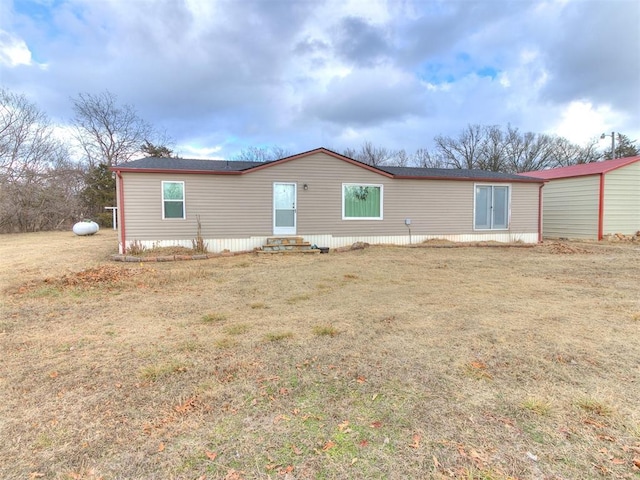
(284, 208)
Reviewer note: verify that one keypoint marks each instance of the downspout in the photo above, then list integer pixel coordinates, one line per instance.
(121, 212)
(540, 213)
(601, 209)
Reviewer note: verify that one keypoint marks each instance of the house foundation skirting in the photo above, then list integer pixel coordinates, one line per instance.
(218, 245)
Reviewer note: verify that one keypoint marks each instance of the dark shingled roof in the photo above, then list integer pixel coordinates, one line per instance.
(156, 163)
(452, 173)
(232, 166)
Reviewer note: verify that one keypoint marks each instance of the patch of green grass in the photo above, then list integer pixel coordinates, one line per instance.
(161, 370)
(237, 329)
(325, 330)
(594, 406)
(48, 291)
(214, 317)
(535, 434)
(277, 336)
(537, 406)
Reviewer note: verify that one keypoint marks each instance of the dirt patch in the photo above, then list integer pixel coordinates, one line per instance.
(90, 277)
(564, 248)
(102, 276)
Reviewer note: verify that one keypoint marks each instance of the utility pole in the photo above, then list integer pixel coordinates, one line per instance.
(613, 142)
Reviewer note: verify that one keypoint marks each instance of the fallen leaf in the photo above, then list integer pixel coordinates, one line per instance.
(416, 441)
(53, 374)
(436, 463)
(376, 424)
(233, 475)
(161, 447)
(329, 445)
(343, 425)
(601, 469)
(364, 443)
(636, 462)
(361, 379)
(353, 460)
(210, 455)
(618, 461)
(589, 421)
(36, 475)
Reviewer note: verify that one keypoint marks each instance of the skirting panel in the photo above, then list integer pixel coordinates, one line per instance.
(218, 245)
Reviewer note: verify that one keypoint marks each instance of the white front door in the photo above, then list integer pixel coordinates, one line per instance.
(284, 208)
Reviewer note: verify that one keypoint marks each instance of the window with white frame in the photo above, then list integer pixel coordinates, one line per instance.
(173, 200)
(361, 201)
(491, 207)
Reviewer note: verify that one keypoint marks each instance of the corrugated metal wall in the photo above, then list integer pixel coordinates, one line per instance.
(622, 200)
(571, 207)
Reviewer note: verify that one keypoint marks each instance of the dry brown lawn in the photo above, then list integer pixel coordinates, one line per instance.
(388, 362)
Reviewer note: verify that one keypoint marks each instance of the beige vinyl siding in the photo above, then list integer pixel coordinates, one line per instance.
(622, 200)
(241, 206)
(571, 207)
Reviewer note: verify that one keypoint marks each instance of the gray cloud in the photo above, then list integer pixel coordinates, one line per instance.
(368, 98)
(594, 53)
(361, 43)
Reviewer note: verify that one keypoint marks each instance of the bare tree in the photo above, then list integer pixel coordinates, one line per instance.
(493, 149)
(401, 158)
(371, 155)
(262, 154)
(565, 153)
(464, 151)
(528, 151)
(425, 159)
(37, 180)
(107, 132)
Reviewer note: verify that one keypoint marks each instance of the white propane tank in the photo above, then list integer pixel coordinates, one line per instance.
(86, 227)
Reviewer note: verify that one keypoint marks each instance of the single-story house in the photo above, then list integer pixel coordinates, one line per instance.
(327, 198)
(591, 200)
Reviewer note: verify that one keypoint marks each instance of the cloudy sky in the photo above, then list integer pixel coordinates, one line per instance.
(223, 75)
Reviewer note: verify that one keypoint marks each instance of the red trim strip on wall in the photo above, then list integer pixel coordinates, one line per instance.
(601, 208)
(540, 213)
(123, 236)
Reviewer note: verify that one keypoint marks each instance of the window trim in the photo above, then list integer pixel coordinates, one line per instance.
(491, 219)
(351, 184)
(183, 201)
